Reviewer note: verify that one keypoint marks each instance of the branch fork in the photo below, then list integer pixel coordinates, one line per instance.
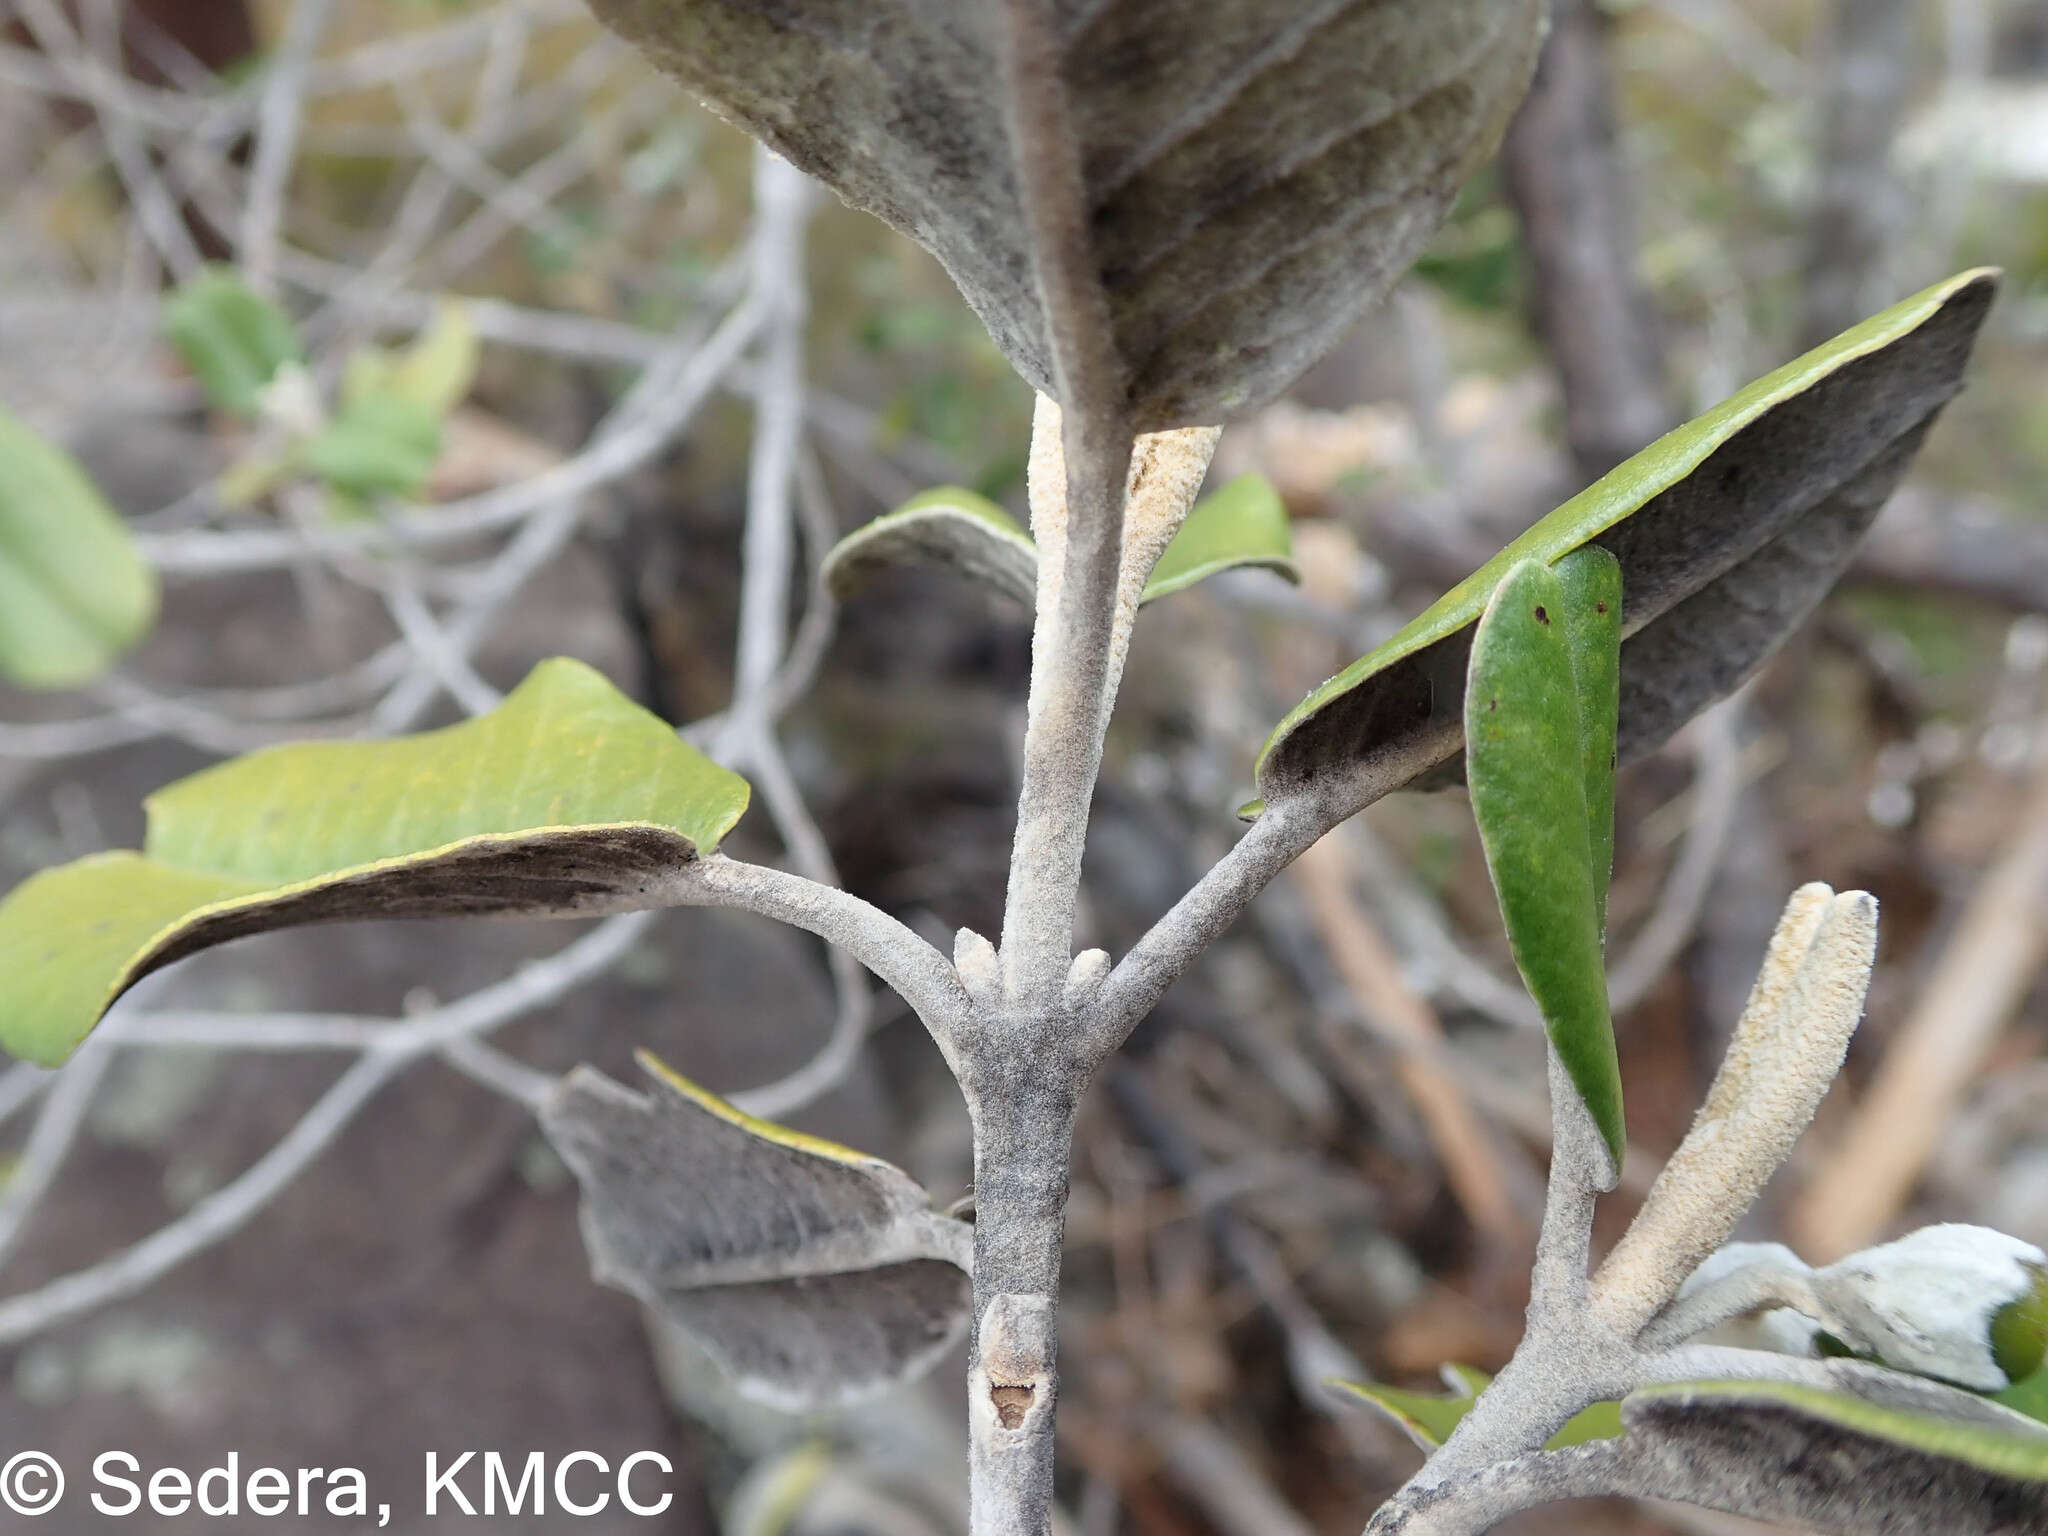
(1597, 1338)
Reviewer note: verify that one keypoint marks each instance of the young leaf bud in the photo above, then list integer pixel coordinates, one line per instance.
(975, 959)
(1085, 978)
(1962, 1304)
(2019, 1329)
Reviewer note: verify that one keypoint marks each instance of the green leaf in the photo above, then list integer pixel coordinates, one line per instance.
(2019, 1330)
(232, 338)
(74, 593)
(435, 373)
(439, 368)
(1831, 1460)
(1429, 1419)
(1591, 581)
(812, 1273)
(1531, 773)
(2029, 1396)
(1729, 531)
(1243, 523)
(378, 444)
(567, 799)
(949, 526)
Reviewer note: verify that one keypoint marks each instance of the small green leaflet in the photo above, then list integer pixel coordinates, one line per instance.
(1729, 531)
(386, 431)
(377, 444)
(1242, 524)
(1428, 1418)
(567, 799)
(74, 592)
(435, 373)
(232, 338)
(1539, 759)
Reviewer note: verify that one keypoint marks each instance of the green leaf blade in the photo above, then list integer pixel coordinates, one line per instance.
(232, 338)
(565, 749)
(1242, 524)
(1428, 1418)
(74, 591)
(380, 443)
(438, 370)
(1525, 763)
(68, 936)
(567, 798)
(2029, 1396)
(1590, 579)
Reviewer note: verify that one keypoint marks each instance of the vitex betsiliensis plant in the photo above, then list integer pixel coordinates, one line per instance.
(1163, 211)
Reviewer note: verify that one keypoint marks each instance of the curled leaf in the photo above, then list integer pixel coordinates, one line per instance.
(1244, 524)
(949, 527)
(567, 799)
(1729, 530)
(812, 1273)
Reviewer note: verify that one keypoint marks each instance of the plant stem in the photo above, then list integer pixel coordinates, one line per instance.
(1070, 682)
(1023, 1077)
(1070, 662)
(1210, 906)
(1023, 1150)
(920, 974)
(1566, 1359)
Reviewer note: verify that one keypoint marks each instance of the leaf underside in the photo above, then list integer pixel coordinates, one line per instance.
(1244, 524)
(1831, 1461)
(1257, 174)
(1539, 733)
(1886, 1452)
(1729, 531)
(74, 592)
(566, 799)
(813, 1274)
(948, 527)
